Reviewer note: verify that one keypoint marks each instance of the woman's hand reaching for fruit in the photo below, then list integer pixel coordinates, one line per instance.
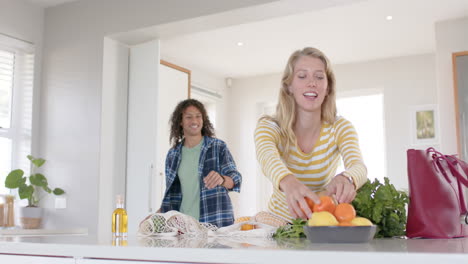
(343, 189)
(296, 194)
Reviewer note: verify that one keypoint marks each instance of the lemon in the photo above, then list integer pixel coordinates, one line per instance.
(361, 221)
(323, 218)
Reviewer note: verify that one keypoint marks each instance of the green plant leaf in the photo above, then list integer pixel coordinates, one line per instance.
(383, 195)
(38, 162)
(377, 213)
(26, 191)
(58, 191)
(38, 180)
(294, 230)
(15, 179)
(47, 189)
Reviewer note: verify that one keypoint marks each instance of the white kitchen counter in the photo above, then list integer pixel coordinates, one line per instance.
(89, 249)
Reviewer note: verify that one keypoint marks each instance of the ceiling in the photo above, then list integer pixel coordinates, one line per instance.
(346, 33)
(346, 30)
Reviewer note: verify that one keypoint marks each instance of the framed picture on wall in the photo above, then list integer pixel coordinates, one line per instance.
(424, 125)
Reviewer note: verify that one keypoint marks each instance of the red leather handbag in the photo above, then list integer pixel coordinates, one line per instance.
(437, 208)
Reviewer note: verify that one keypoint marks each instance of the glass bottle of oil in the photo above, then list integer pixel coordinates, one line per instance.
(119, 219)
(119, 241)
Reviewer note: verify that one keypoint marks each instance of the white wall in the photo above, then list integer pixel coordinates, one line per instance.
(406, 81)
(245, 99)
(24, 21)
(72, 79)
(451, 36)
(215, 84)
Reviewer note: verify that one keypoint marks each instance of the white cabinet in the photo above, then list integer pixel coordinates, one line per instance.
(153, 92)
(117, 261)
(18, 259)
(24, 259)
(142, 121)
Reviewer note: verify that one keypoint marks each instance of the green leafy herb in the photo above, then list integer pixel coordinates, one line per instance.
(294, 230)
(384, 206)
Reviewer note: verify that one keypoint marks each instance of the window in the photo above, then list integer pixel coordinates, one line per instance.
(209, 99)
(7, 61)
(16, 83)
(365, 112)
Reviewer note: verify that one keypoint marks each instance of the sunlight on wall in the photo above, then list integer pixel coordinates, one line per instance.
(367, 116)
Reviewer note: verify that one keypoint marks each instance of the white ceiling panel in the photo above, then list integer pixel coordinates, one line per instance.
(346, 33)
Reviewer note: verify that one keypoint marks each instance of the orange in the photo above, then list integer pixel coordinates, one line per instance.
(344, 212)
(345, 224)
(246, 227)
(243, 219)
(310, 203)
(326, 204)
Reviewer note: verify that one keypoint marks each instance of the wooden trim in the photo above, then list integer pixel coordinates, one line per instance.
(182, 69)
(455, 96)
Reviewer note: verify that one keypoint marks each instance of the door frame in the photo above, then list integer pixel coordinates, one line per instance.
(455, 96)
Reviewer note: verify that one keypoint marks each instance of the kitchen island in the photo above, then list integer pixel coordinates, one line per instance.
(81, 249)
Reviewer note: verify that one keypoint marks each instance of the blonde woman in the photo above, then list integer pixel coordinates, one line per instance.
(300, 146)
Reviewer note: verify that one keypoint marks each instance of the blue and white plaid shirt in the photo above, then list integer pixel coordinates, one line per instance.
(215, 204)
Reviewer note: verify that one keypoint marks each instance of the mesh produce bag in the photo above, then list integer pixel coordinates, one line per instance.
(255, 229)
(269, 219)
(174, 223)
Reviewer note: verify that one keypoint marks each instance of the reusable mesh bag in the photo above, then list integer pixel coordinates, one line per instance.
(173, 223)
(269, 219)
(235, 230)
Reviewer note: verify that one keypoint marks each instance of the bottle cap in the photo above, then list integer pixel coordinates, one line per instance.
(120, 198)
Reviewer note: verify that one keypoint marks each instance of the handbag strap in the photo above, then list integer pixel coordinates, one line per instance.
(436, 157)
(451, 161)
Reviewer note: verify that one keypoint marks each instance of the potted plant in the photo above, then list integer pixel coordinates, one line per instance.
(28, 188)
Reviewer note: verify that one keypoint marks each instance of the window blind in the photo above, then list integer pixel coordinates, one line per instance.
(7, 65)
(16, 103)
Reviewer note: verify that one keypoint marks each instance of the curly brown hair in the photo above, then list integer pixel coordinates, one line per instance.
(177, 133)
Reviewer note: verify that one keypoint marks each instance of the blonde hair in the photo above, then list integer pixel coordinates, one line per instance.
(285, 115)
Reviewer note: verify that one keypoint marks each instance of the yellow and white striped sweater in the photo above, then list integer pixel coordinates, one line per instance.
(315, 169)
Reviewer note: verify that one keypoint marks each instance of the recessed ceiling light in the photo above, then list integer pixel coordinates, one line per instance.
(240, 44)
(389, 18)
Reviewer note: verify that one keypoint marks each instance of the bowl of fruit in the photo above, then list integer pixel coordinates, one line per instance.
(337, 223)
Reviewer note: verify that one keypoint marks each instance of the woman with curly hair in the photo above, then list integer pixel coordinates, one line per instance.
(200, 170)
(299, 148)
